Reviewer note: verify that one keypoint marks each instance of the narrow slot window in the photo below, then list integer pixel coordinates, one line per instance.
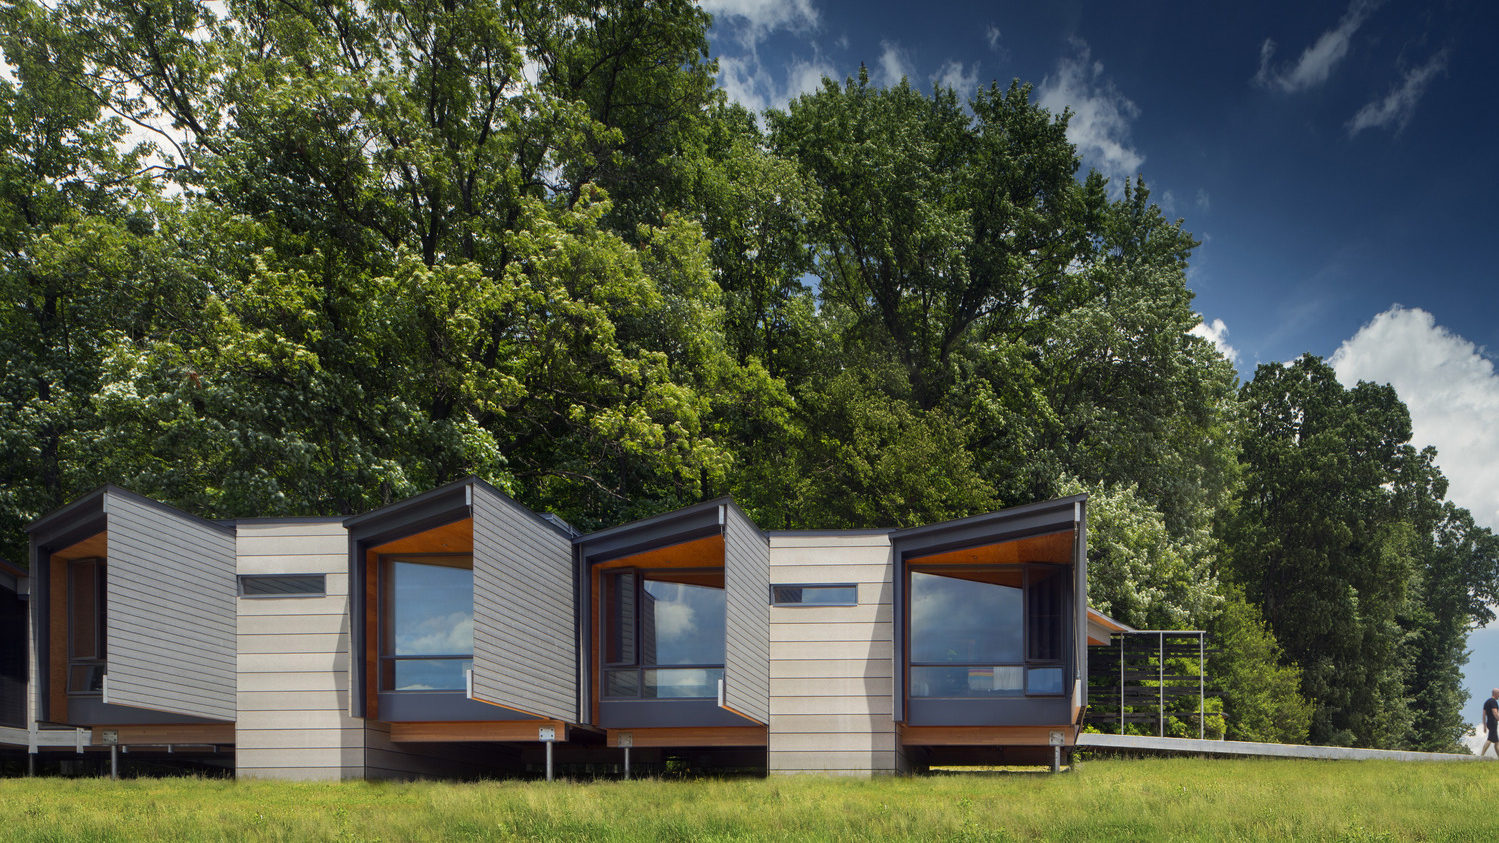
(845, 594)
(283, 585)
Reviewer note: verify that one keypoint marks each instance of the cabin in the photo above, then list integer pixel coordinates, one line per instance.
(458, 634)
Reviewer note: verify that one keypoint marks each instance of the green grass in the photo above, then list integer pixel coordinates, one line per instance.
(1154, 799)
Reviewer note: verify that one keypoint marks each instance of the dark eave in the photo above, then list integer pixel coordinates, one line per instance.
(679, 525)
(445, 504)
(1013, 523)
(96, 504)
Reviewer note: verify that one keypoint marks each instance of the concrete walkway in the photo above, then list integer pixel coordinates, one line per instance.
(1192, 746)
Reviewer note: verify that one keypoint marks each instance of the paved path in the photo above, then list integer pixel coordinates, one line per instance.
(1264, 750)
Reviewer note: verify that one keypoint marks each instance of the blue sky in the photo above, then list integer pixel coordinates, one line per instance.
(1337, 160)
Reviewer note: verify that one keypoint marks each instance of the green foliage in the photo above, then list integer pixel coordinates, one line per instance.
(1263, 701)
(373, 247)
(1138, 572)
(1365, 576)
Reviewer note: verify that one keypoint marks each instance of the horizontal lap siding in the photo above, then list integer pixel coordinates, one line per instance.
(747, 617)
(524, 616)
(293, 688)
(831, 667)
(170, 611)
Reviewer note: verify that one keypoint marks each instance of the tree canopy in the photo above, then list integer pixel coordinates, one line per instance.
(362, 249)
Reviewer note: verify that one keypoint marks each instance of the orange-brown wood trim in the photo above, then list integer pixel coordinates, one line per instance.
(706, 552)
(694, 736)
(95, 546)
(371, 635)
(596, 638)
(487, 730)
(986, 735)
(184, 733)
(57, 641)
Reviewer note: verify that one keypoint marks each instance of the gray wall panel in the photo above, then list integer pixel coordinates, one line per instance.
(524, 617)
(747, 616)
(170, 606)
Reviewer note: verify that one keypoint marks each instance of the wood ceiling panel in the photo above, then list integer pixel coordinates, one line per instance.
(1055, 548)
(457, 537)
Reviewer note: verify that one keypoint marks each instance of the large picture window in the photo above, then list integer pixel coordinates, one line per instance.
(663, 634)
(86, 640)
(987, 631)
(426, 622)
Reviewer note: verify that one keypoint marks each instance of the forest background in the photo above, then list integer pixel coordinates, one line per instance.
(372, 247)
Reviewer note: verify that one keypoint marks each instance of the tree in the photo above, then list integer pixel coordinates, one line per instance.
(1262, 696)
(414, 275)
(1319, 544)
(79, 258)
(1138, 572)
(1049, 322)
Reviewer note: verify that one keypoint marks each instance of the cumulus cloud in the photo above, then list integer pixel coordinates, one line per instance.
(1216, 332)
(1396, 108)
(442, 635)
(959, 78)
(1452, 392)
(1101, 115)
(750, 21)
(753, 85)
(1317, 61)
(895, 65)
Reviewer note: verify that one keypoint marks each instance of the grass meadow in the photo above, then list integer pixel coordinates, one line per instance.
(1149, 799)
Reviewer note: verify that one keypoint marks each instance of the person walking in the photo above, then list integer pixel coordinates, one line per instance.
(1491, 724)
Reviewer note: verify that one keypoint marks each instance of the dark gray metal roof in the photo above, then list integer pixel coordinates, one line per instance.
(1015, 522)
(93, 504)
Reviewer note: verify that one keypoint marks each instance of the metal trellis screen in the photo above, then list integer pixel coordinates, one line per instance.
(1151, 682)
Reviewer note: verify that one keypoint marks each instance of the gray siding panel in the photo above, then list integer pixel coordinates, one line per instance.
(746, 567)
(170, 611)
(524, 614)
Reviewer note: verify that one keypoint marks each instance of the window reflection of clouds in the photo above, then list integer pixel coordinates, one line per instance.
(963, 621)
(688, 623)
(434, 609)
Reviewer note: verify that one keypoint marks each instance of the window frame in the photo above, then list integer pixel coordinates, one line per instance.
(385, 563)
(241, 579)
(100, 659)
(641, 576)
(815, 586)
(1026, 662)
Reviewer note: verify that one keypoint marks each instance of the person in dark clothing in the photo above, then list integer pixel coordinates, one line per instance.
(1491, 724)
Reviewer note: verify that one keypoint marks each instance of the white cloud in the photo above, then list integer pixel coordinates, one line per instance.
(675, 620)
(1398, 105)
(1101, 115)
(895, 65)
(751, 20)
(1317, 61)
(449, 634)
(1168, 202)
(1452, 392)
(992, 36)
(1204, 201)
(748, 82)
(1216, 333)
(955, 76)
